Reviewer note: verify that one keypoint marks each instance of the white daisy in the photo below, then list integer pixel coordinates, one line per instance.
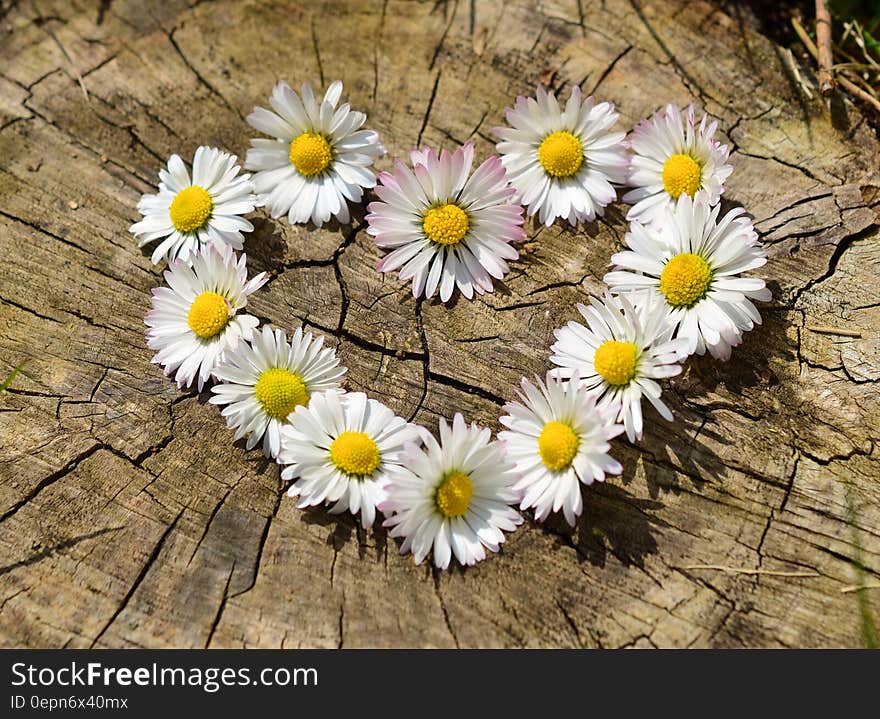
(619, 355)
(454, 496)
(558, 439)
(563, 162)
(319, 160)
(672, 158)
(267, 379)
(195, 320)
(692, 265)
(340, 449)
(192, 214)
(444, 226)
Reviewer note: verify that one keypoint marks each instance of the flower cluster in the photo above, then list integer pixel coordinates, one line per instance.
(674, 291)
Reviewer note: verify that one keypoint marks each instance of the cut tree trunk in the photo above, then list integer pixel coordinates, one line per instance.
(128, 517)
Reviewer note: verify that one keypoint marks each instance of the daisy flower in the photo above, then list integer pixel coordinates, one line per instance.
(188, 215)
(692, 266)
(196, 319)
(673, 158)
(620, 355)
(445, 227)
(340, 449)
(454, 495)
(319, 159)
(563, 162)
(558, 439)
(264, 381)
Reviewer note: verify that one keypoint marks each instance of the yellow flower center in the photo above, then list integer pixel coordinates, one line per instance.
(310, 154)
(616, 362)
(558, 445)
(446, 224)
(682, 173)
(685, 280)
(561, 154)
(454, 495)
(280, 391)
(208, 315)
(355, 453)
(191, 209)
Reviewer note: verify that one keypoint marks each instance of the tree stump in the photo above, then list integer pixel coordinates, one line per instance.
(129, 518)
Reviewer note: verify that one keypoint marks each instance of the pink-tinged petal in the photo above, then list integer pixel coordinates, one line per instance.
(489, 177)
(462, 161)
(427, 157)
(409, 185)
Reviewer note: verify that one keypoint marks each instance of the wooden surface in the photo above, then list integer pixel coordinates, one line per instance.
(127, 516)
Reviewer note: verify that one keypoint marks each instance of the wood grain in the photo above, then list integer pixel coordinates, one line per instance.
(127, 516)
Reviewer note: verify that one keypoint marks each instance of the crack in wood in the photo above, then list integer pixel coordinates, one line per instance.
(739, 447)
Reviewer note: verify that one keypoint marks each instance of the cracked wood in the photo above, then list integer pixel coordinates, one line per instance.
(128, 518)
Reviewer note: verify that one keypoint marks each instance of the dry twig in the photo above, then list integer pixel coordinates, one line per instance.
(745, 570)
(824, 56)
(823, 330)
(792, 66)
(846, 84)
(805, 38)
(854, 89)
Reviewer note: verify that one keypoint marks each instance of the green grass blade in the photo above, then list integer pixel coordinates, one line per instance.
(8, 381)
(870, 42)
(869, 627)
